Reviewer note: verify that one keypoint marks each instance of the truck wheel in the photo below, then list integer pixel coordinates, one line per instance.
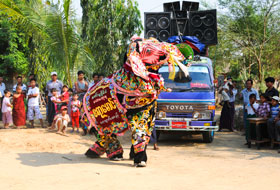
(208, 136)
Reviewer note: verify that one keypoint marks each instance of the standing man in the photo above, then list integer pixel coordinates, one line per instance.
(57, 84)
(232, 94)
(2, 88)
(245, 93)
(101, 76)
(95, 78)
(19, 83)
(270, 91)
(81, 85)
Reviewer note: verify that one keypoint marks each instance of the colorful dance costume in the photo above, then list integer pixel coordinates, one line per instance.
(127, 99)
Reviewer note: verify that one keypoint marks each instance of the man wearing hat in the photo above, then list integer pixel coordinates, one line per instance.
(273, 123)
(57, 84)
(270, 91)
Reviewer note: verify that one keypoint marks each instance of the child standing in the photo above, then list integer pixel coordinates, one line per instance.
(56, 101)
(7, 109)
(75, 112)
(273, 123)
(19, 108)
(70, 92)
(264, 108)
(64, 96)
(33, 104)
(251, 109)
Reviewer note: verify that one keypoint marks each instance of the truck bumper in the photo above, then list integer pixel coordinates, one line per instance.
(171, 125)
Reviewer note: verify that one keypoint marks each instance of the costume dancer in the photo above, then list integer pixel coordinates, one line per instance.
(127, 99)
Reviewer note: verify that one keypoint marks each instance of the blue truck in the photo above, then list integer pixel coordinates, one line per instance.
(190, 107)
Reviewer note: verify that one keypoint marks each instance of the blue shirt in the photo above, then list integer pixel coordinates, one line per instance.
(246, 93)
(57, 85)
(23, 87)
(2, 88)
(274, 111)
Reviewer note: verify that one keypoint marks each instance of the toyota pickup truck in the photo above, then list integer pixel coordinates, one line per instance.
(190, 107)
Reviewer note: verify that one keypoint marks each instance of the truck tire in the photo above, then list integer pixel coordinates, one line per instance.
(208, 136)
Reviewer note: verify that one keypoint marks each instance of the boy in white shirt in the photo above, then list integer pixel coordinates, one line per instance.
(7, 109)
(33, 104)
(251, 109)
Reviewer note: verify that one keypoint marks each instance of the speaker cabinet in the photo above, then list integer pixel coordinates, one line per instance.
(172, 6)
(181, 25)
(190, 6)
(203, 25)
(180, 14)
(158, 25)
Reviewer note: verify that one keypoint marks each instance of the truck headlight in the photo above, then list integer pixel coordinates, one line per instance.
(206, 115)
(161, 115)
(202, 115)
(196, 115)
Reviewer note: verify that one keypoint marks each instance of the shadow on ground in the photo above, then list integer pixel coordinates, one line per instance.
(38, 159)
(230, 143)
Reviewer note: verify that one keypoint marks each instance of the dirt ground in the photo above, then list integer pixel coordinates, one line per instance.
(38, 159)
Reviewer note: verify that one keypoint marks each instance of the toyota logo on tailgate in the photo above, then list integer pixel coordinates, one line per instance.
(179, 107)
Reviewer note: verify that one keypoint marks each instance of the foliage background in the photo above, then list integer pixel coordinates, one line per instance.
(42, 36)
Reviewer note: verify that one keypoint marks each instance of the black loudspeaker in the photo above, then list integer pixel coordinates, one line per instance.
(203, 25)
(172, 6)
(180, 14)
(182, 25)
(190, 6)
(158, 25)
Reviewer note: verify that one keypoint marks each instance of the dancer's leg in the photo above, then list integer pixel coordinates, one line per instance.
(114, 149)
(98, 148)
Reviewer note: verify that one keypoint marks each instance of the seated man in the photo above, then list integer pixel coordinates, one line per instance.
(61, 120)
(251, 109)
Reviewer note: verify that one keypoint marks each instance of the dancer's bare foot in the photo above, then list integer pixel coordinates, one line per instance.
(156, 146)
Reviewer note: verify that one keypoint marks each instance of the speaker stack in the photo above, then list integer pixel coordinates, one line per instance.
(187, 21)
(203, 25)
(157, 25)
(172, 6)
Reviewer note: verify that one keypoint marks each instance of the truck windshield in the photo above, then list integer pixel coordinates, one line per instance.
(200, 78)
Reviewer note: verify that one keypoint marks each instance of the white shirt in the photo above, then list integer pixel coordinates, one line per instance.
(2, 88)
(65, 117)
(232, 98)
(23, 87)
(5, 107)
(35, 100)
(250, 110)
(225, 96)
(75, 105)
(55, 98)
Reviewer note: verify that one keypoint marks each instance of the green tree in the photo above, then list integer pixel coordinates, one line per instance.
(251, 27)
(107, 26)
(53, 39)
(13, 48)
